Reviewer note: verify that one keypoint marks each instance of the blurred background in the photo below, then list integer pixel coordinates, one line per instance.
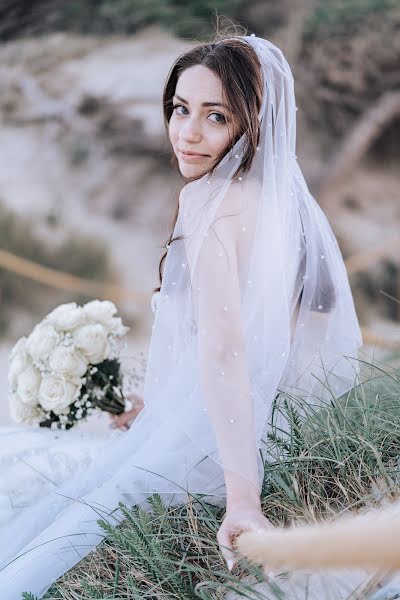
(87, 192)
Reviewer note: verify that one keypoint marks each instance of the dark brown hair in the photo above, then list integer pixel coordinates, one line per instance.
(236, 64)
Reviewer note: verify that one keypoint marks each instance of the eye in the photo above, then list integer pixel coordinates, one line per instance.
(179, 106)
(219, 115)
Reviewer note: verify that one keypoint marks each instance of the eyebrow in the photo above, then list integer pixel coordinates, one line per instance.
(204, 103)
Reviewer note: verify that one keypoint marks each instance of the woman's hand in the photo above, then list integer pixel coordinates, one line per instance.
(240, 518)
(125, 419)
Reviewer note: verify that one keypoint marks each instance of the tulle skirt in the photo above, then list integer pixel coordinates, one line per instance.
(58, 526)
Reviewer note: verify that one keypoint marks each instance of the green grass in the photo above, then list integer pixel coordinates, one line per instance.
(339, 457)
(105, 17)
(338, 15)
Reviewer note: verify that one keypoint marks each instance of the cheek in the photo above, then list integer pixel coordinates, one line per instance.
(173, 131)
(219, 139)
(216, 139)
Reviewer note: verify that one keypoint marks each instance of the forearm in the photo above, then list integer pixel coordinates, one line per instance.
(240, 492)
(224, 371)
(230, 408)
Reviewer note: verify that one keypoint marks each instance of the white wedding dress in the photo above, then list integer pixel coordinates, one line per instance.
(247, 250)
(34, 461)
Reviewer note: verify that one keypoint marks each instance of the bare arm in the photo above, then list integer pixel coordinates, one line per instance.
(222, 357)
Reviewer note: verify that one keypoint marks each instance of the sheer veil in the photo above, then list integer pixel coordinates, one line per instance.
(254, 300)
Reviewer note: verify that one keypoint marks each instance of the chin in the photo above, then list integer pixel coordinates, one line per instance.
(189, 171)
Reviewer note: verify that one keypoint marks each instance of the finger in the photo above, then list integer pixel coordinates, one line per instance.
(230, 563)
(225, 548)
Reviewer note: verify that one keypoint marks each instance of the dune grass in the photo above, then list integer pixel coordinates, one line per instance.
(343, 456)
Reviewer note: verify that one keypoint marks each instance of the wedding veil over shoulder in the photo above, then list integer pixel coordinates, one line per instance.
(254, 300)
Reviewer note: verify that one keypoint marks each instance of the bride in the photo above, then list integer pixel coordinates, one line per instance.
(254, 301)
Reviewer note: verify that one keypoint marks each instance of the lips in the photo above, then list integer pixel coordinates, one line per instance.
(188, 156)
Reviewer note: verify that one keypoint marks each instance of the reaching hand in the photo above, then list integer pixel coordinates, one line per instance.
(125, 419)
(237, 520)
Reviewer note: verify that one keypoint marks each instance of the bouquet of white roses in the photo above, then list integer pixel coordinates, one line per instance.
(64, 369)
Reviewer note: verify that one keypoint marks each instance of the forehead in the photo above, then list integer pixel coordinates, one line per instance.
(199, 84)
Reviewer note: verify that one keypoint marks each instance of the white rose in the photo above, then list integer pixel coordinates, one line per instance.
(21, 412)
(42, 341)
(18, 364)
(65, 360)
(66, 316)
(28, 385)
(117, 328)
(93, 342)
(57, 394)
(19, 347)
(100, 311)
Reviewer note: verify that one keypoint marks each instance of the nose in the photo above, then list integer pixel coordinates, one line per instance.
(191, 131)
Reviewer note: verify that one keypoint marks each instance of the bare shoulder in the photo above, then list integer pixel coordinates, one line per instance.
(237, 205)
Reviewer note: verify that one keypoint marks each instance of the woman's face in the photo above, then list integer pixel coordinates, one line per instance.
(201, 125)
